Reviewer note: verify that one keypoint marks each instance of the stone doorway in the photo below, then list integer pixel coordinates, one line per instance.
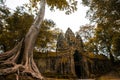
(77, 61)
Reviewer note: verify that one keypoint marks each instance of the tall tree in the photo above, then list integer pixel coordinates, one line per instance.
(107, 18)
(20, 58)
(17, 24)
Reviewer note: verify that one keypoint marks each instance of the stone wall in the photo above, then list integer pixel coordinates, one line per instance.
(70, 60)
(71, 66)
(58, 66)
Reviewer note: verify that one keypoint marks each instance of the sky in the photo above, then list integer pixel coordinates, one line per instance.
(63, 21)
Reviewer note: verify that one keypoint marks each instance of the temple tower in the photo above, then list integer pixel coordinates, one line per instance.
(79, 43)
(70, 38)
(61, 43)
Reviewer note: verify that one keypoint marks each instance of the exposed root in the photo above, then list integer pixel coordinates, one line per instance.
(22, 70)
(20, 58)
(9, 64)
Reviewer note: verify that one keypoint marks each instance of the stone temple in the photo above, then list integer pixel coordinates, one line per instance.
(71, 60)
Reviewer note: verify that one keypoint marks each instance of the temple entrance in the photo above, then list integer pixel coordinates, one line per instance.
(78, 68)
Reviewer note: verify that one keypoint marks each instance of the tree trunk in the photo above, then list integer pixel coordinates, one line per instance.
(20, 58)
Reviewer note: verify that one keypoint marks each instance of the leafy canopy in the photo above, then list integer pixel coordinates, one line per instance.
(106, 13)
(17, 25)
(68, 6)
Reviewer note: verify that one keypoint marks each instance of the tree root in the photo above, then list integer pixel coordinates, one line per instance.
(20, 58)
(15, 68)
(9, 64)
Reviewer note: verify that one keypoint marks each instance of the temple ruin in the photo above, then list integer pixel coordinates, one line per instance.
(71, 60)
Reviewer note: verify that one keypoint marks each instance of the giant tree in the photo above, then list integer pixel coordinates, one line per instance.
(17, 24)
(106, 13)
(20, 59)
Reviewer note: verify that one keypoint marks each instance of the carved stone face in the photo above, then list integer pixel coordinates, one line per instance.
(70, 37)
(69, 41)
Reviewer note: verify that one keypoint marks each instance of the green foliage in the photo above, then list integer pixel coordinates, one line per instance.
(15, 29)
(4, 13)
(100, 13)
(64, 5)
(87, 33)
(70, 5)
(46, 38)
(91, 45)
(106, 14)
(17, 25)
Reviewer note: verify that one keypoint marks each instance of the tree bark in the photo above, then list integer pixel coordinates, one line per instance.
(20, 58)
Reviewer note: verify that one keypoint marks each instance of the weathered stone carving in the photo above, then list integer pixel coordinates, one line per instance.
(61, 43)
(79, 43)
(71, 61)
